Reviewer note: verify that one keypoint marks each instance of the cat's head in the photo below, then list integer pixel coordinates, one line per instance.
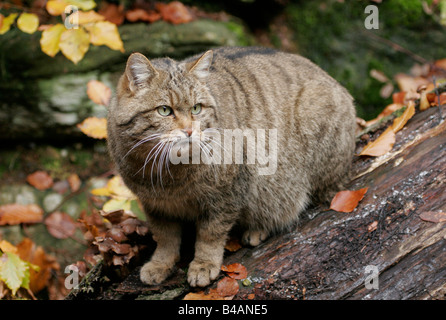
(161, 102)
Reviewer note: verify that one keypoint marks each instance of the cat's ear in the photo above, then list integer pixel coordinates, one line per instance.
(200, 68)
(139, 71)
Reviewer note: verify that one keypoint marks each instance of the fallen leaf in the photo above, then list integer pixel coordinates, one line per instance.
(106, 33)
(28, 22)
(74, 43)
(12, 214)
(94, 127)
(235, 271)
(113, 13)
(60, 225)
(380, 146)
(233, 245)
(212, 295)
(432, 216)
(98, 92)
(347, 201)
(7, 22)
(40, 180)
(227, 287)
(175, 12)
(74, 181)
(115, 188)
(82, 17)
(399, 122)
(398, 97)
(49, 42)
(56, 7)
(47, 264)
(139, 14)
(6, 246)
(14, 271)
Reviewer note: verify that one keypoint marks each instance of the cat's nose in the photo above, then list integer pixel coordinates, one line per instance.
(188, 131)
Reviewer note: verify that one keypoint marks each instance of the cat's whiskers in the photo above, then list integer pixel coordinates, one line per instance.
(144, 140)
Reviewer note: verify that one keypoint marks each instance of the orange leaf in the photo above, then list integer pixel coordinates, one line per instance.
(139, 14)
(433, 216)
(12, 214)
(98, 92)
(235, 271)
(399, 122)
(94, 127)
(346, 201)
(398, 97)
(28, 251)
(56, 7)
(74, 182)
(380, 146)
(40, 180)
(175, 12)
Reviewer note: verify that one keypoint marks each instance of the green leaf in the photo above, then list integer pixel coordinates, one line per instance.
(14, 271)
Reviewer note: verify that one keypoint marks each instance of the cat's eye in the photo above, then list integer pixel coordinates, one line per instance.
(196, 109)
(165, 110)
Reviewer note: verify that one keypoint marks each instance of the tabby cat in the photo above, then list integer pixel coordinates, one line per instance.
(163, 106)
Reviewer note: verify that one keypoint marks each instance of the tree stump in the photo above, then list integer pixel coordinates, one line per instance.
(382, 250)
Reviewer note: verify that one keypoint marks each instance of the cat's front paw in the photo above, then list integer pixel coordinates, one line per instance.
(201, 274)
(154, 273)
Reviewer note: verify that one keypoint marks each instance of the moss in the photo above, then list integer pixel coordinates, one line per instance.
(333, 35)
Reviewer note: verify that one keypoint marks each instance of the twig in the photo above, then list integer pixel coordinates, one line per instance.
(397, 47)
(439, 100)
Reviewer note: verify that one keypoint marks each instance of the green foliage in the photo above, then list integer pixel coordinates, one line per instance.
(15, 272)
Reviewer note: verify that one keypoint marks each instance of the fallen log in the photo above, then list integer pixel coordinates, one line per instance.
(382, 250)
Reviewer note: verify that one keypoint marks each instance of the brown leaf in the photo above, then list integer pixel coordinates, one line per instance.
(74, 181)
(60, 225)
(227, 287)
(113, 13)
(40, 180)
(175, 12)
(432, 216)
(139, 14)
(98, 92)
(346, 201)
(235, 271)
(28, 251)
(233, 245)
(12, 214)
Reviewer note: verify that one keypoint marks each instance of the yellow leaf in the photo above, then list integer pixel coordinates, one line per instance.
(6, 246)
(56, 7)
(7, 23)
(116, 189)
(106, 33)
(94, 127)
(85, 17)
(83, 4)
(399, 122)
(117, 204)
(28, 22)
(49, 42)
(74, 43)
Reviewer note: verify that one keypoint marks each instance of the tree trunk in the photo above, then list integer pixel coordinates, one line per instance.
(334, 255)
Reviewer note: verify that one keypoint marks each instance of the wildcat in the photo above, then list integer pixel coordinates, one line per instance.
(163, 103)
